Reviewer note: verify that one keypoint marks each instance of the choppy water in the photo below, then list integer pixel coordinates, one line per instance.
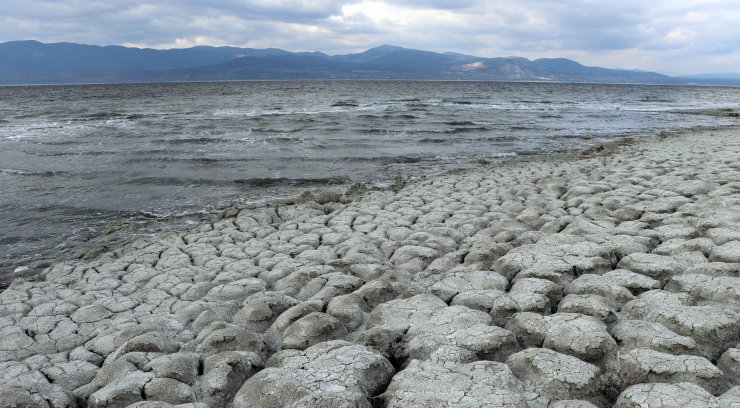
(74, 158)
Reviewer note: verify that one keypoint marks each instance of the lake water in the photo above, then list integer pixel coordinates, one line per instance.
(75, 158)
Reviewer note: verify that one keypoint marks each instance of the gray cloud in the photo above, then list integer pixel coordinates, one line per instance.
(677, 36)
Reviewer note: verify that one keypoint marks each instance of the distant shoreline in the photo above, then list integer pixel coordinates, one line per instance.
(735, 84)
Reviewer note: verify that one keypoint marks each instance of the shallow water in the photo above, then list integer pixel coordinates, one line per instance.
(74, 158)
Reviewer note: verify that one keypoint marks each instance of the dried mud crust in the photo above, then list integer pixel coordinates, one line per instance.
(610, 278)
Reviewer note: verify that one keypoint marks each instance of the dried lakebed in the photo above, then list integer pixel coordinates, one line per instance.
(605, 279)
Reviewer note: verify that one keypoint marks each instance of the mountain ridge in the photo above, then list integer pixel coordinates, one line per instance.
(33, 62)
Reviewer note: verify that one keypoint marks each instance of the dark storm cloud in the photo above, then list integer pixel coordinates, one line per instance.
(673, 35)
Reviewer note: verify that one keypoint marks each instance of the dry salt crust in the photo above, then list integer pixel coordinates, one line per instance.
(603, 279)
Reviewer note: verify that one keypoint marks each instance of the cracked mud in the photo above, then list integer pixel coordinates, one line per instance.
(573, 281)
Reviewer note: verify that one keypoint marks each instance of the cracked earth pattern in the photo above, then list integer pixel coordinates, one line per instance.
(591, 280)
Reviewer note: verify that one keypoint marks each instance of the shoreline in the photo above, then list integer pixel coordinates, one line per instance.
(108, 238)
(466, 121)
(608, 275)
(118, 233)
(708, 83)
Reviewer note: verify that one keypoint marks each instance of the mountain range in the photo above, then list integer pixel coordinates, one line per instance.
(32, 62)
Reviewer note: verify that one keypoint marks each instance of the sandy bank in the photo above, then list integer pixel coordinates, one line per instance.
(605, 278)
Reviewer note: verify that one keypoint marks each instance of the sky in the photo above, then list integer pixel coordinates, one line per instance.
(668, 36)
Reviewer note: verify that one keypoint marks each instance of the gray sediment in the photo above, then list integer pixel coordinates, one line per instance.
(607, 277)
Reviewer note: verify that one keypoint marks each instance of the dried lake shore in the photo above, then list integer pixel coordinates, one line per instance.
(609, 277)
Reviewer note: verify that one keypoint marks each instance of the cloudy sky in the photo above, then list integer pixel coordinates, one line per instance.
(670, 36)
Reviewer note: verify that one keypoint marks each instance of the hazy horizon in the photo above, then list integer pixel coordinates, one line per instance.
(671, 37)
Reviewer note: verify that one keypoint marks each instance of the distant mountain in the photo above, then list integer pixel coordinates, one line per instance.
(25, 62)
(69, 56)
